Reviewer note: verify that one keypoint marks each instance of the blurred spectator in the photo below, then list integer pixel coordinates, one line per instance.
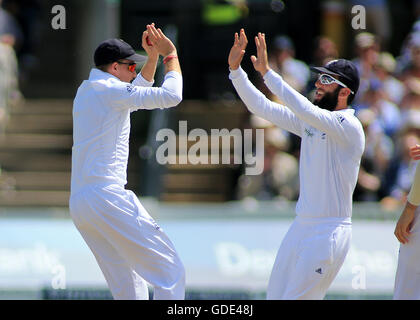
(27, 16)
(384, 68)
(387, 113)
(412, 67)
(403, 61)
(367, 50)
(379, 150)
(378, 20)
(10, 31)
(401, 170)
(10, 37)
(282, 60)
(411, 99)
(9, 89)
(325, 50)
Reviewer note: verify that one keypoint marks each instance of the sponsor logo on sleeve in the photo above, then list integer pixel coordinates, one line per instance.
(340, 118)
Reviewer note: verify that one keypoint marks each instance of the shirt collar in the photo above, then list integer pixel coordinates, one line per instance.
(349, 110)
(96, 74)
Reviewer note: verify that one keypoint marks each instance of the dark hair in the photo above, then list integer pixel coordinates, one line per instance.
(104, 67)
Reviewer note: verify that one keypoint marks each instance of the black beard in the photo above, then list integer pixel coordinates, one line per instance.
(329, 101)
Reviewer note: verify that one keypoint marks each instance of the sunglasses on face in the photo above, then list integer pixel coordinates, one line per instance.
(327, 80)
(131, 65)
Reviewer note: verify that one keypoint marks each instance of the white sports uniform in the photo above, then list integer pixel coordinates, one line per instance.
(130, 248)
(407, 278)
(315, 246)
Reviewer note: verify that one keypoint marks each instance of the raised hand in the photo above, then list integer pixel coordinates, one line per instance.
(148, 46)
(237, 51)
(260, 61)
(163, 44)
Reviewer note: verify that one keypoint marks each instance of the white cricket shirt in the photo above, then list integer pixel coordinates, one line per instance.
(101, 123)
(331, 148)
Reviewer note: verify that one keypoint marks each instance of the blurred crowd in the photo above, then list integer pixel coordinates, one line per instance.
(21, 27)
(387, 104)
(10, 38)
(18, 19)
(19, 34)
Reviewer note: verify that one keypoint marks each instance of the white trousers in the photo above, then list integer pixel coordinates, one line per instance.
(130, 248)
(309, 258)
(407, 278)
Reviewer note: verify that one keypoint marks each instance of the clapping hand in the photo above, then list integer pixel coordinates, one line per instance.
(147, 45)
(163, 44)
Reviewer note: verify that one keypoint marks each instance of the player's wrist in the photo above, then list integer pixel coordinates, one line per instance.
(409, 207)
(169, 57)
(234, 67)
(264, 70)
(172, 52)
(153, 57)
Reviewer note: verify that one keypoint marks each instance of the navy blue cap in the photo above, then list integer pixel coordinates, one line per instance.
(345, 69)
(112, 50)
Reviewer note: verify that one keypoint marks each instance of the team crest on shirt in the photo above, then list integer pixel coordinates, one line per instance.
(130, 88)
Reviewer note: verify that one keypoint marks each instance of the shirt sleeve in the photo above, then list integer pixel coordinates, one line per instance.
(260, 105)
(142, 82)
(121, 95)
(414, 195)
(333, 123)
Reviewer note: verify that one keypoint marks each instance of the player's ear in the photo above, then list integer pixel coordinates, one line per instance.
(344, 92)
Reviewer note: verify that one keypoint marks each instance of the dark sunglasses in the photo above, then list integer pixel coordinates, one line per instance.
(131, 65)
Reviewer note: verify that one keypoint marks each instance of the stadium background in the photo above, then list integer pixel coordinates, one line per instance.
(227, 242)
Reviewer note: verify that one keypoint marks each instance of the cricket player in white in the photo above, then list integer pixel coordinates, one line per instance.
(315, 246)
(130, 248)
(407, 231)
